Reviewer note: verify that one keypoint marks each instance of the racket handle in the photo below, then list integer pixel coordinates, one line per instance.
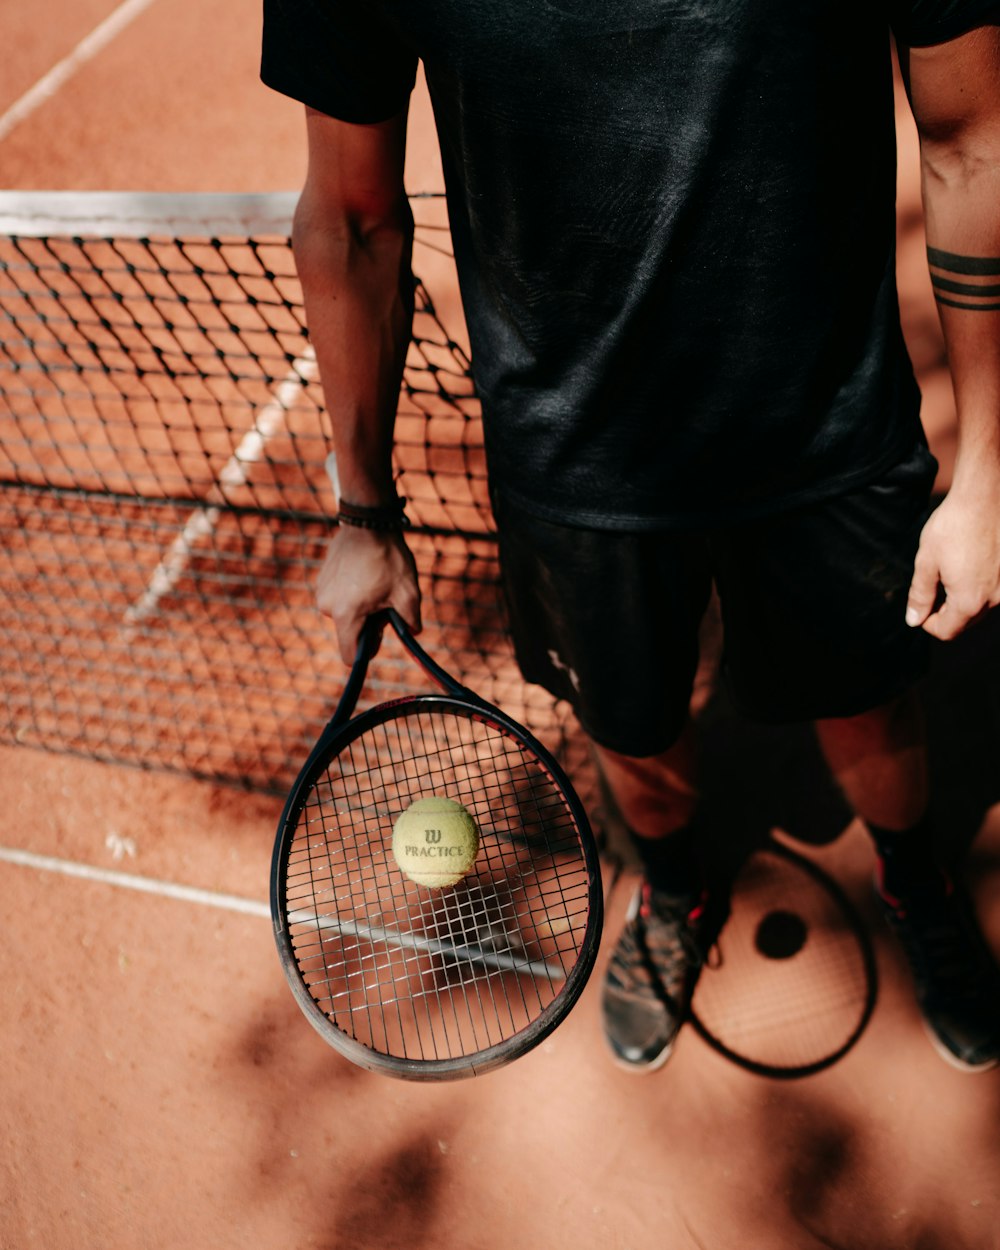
(430, 667)
(369, 641)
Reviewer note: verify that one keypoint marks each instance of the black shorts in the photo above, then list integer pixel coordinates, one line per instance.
(812, 604)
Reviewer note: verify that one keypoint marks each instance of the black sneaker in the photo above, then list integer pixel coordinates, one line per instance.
(957, 980)
(653, 972)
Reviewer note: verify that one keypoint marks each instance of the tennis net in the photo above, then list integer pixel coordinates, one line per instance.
(166, 499)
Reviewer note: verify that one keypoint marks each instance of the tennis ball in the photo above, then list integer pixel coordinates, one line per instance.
(435, 842)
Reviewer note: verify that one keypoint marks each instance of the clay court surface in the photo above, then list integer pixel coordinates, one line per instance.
(160, 1087)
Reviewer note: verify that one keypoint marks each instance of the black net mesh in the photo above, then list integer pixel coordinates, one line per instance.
(165, 504)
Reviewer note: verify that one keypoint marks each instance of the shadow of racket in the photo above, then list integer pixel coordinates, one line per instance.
(795, 982)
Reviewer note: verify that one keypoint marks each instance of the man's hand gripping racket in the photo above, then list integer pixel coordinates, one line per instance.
(435, 886)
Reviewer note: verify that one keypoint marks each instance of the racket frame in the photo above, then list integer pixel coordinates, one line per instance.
(340, 731)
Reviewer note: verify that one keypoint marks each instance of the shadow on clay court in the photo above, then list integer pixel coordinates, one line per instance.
(817, 1147)
(375, 1196)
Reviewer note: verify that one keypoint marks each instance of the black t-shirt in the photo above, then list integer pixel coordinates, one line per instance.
(674, 228)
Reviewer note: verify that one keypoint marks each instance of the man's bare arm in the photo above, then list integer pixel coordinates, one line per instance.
(352, 237)
(954, 91)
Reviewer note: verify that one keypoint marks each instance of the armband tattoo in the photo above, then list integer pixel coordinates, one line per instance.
(976, 295)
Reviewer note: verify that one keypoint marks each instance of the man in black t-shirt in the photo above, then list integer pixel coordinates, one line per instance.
(701, 192)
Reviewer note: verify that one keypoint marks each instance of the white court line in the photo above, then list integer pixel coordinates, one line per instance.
(130, 881)
(235, 473)
(251, 907)
(63, 70)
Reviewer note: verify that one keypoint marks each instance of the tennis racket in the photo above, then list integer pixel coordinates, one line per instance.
(414, 981)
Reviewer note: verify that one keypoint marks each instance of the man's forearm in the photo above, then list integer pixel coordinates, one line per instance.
(358, 290)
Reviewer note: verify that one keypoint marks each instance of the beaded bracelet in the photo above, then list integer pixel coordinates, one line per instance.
(385, 519)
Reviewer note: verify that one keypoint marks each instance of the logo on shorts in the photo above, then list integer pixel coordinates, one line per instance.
(563, 667)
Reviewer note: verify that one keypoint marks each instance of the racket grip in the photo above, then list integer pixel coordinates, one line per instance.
(430, 667)
(369, 641)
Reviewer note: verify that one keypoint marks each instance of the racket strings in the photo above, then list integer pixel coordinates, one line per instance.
(435, 974)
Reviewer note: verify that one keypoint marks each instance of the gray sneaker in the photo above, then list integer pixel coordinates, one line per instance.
(653, 972)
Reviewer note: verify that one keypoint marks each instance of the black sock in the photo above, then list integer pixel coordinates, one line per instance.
(906, 858)
(671, 864)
